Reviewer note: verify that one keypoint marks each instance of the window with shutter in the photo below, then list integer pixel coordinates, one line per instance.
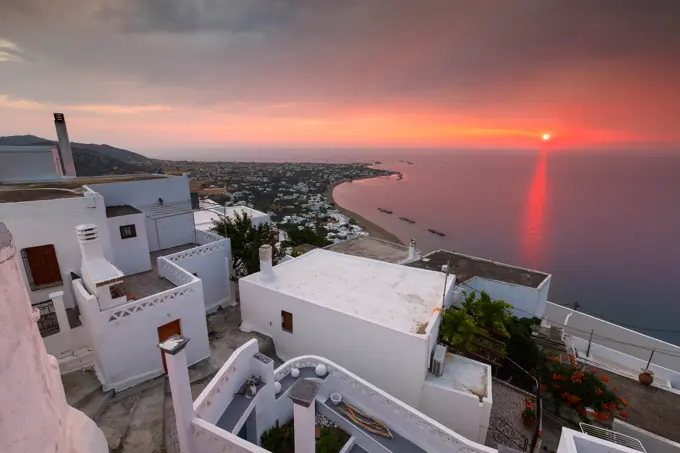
(287, 321)
(42, 267)
(128, 231)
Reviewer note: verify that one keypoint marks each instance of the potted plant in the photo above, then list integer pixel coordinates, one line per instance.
(646, 377)
(529, 412)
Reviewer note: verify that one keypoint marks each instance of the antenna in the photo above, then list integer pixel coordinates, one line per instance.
(446, 268)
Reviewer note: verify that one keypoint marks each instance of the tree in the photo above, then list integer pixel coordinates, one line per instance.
(246, 241)
(492, 315)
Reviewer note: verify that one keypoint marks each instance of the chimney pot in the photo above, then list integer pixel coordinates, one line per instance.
(64, 145)
(266, 261)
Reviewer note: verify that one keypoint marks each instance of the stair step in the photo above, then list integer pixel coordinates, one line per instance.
(79, 386)
(96, 404)
(115, 420)
(145, 430)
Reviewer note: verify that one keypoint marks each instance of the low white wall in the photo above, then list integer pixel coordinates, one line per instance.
(145, 192)
(125, 338)
(27, 163)
(393, 360)
(54, 222)
(460, 411)
(131, 255)
(415, 426)
(209, 438)
(651, 442)
(627, 362)
(581, 324)
(216, 396)
(175, 230)
(526, 300)
(210, 263)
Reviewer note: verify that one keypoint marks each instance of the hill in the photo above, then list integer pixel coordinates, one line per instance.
(92, 159)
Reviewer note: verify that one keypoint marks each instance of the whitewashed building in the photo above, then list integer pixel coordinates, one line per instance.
(114, 263)
(34, 414)
(378, 319)
(525, 289)
(210, 212)
(248, 396)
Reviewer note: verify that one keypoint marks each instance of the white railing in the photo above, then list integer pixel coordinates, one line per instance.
(197, 251)
(173, 272)
(148, 303)
(206, 237)
(612, 436)
(425, 425)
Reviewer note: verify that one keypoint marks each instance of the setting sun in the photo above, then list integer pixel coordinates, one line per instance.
(546, 137)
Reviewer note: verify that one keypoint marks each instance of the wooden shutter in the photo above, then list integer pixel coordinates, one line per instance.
(42, 266)
(287, 321)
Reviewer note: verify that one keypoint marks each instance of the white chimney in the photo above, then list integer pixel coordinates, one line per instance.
(90, 244)
(266, 270)
(64, 145)
(412, 251)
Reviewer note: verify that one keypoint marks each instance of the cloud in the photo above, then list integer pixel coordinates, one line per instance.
(591, 64)
(9, 102)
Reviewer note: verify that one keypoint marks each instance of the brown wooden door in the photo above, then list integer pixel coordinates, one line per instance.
(166, 331)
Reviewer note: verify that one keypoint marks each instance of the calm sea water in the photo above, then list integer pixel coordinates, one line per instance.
(605, 224)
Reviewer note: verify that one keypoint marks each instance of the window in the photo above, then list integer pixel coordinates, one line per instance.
(128, 231)
(42, 267)
(287, 321)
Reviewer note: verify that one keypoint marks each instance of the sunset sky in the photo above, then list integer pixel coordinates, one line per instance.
(154, 74)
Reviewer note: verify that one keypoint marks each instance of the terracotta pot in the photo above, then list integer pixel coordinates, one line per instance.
(528, 421)
(646, 378)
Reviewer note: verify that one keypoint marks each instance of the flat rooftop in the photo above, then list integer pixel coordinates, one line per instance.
(370, 247)
(394, 296)
(466, 267)
(209, 213)
(63, 188)
(461, 373)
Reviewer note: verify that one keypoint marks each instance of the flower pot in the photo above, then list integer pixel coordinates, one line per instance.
(528, 421)
(646, 378)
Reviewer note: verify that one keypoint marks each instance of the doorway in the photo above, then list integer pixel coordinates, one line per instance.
(166, 331)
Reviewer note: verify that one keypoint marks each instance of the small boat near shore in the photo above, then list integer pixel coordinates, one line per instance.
(433, 231)
(386, 211)
(406, 219)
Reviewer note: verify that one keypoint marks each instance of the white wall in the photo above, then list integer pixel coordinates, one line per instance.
(130, 255)
(651, 442)
(172, 231)
(54, 222)
(210, 263)
(145, 192)
(460, 411)
(126, 347)
(526, 300)
(580, 325)
(394, 361)
(27, 163)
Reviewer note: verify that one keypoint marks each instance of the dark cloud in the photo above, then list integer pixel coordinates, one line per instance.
(462, 55)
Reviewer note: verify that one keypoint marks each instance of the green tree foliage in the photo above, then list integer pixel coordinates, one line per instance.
(458, 328)
(492, 315)
(246, 241)
(312, 236)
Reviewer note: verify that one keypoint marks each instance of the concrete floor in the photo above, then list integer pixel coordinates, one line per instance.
(141, 419)
(370, 247)
(144, 284)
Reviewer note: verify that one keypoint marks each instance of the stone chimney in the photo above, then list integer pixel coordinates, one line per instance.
(412, 250)
(266, 270)
(64, 145)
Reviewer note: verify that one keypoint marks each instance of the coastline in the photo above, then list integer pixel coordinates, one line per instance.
(371, 228)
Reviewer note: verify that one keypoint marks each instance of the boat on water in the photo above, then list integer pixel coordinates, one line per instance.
(406, 219)
(409, 162)
(386, 211)
(433, 231)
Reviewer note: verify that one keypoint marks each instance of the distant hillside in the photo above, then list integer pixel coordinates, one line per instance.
(92, 159)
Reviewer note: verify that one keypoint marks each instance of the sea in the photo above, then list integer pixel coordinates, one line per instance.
(605, 224)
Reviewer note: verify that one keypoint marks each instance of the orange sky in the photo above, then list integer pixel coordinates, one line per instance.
(381, 73)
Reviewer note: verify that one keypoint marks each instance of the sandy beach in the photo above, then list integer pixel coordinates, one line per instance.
(371, 228)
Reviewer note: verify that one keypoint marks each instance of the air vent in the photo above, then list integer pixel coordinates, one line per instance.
(87, 233)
